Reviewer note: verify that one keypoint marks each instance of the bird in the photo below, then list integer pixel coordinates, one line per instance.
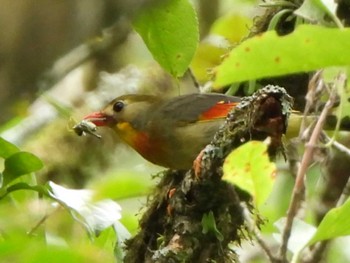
(168, 132)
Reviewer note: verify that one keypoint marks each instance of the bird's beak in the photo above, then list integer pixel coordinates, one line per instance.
(99, 119)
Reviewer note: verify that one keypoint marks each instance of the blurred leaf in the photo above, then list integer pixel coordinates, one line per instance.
(209, 226)
(62, 109)
(123, 234)
(55, 254)
(7, 148)
(131, 219)
(208, 55)
(107, 240)
(250, 169)
(125, 184)
(225, 32)
(19, 164)
(303, 50)
(336, 223)
(21, 249)
(10, 123)
(24, 186)
(317, 10)
(341, 83)
(234, 27)
(96, 216)
(278, 201)
(55, 240)
(170, 30)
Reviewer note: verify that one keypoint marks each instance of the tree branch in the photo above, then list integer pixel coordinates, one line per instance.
(172, 229)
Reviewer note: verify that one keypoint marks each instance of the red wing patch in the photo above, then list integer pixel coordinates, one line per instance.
(219, 110)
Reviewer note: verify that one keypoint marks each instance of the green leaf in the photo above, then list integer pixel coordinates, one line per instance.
(209, 226)
(225, 31)
(19, 164)
(169, 28)
(336, 223)
(249, 168)
(21, 248)
(24, 186)
(7, 148)
(208, 56)
(233, 26)
(303, 50)
(126, 184)
(106, 239)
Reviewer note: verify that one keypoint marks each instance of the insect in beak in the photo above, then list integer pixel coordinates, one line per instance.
(86, 127)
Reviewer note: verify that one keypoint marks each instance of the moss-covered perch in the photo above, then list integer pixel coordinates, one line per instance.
(171, 229)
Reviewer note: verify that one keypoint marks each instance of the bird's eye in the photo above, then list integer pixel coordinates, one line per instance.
(118, 106)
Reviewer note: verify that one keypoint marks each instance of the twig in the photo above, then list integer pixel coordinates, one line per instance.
(340, 85)
(345, 194)
(315, 255)
(339, 146)
(299, 181)
(315, 89)
(317, 251)
(193, 78)
(41, 221)
(254, 230)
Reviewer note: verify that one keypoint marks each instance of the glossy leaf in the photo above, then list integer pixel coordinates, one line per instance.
(336, 223)
(169, 28)
(19, 164)
(303, 50)
(249, 168)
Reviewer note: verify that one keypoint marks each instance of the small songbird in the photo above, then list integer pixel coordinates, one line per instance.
(167, 132)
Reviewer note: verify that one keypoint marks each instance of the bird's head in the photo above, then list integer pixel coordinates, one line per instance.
(131, 109)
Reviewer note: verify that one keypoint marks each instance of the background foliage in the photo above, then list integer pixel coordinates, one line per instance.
(66, 59)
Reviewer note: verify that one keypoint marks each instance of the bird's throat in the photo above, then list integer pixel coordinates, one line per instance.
(139, 140)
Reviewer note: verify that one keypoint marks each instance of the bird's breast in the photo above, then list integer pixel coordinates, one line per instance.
(144, 143)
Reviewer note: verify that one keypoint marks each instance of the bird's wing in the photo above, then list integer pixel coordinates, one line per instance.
(197, 107)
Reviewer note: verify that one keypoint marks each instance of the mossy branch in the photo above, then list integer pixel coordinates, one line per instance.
(172, 228)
